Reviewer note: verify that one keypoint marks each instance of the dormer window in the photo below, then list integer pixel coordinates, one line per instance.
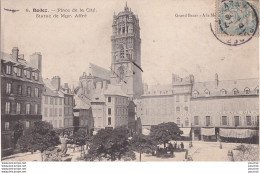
(195, 94)
(207, 93)
(36, 76)
(19, 72)
(235, 91)
(28, 74)
(247, 91)
(8, 69)
(223, 92)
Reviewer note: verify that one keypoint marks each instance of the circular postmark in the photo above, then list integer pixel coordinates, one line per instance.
(236, 22)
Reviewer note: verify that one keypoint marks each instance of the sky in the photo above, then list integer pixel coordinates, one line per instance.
(170, 44)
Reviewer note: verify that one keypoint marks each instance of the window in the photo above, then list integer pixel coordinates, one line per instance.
(8, 69)
(60, 101)
(224, 120)
(55, 101)
(248, 120)
(235, 92)
(7, 125)
(186, 108)
(55, 112)
(207, 120)
(195, 94)
(19, 72)
(28, 74)
(177, 98)
(46, 112)
(109, 99)
(122, 53)
(196, 120)
(8, 88)
(18, 108)
(51, 100)
(36, 92)
(55, 124)
(178, 121)
(187, 122)
(109, 111)
(66, 100)
(19, 89)
(60, 123)
(7, 107)
(27, 109)
(36, 76)
(185, 98)
(46, 99)
(177, 109)
(36, 107)
(28, 91)
(247, 91)
(223, 92)
(236, 118)
(207, 93)
(60, 112)
(27, 124)
(50, 112)
(109, 121)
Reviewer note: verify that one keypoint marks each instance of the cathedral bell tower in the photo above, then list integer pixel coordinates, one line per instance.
(126, 49)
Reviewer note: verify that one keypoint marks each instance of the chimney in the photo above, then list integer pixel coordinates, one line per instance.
(55, 81)
(15, 52)
(216, 80)
(36, 60)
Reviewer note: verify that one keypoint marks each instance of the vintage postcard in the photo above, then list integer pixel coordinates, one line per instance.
(147, 80)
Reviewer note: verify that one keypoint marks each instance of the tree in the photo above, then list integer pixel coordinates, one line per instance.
(142, 144)
(164, 132)
(18, 131)
(81, 137)
(110, 144)
(40, 137)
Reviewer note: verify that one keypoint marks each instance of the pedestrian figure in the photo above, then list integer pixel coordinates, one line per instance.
(63, 141)
(175, 145)
(182, 146)
(186, 154)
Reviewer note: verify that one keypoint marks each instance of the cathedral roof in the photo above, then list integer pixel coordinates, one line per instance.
(115, 90)
(99, 72)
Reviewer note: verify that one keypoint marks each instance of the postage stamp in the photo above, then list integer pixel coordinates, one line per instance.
(236, 21)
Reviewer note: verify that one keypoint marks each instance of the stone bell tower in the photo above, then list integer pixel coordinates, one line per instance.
(126, 49)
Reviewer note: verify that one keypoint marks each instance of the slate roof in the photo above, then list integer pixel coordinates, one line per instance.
(9, 57)
(115, 90)
(50, 89)
(80, 103)
(228, 85)
(99, 72)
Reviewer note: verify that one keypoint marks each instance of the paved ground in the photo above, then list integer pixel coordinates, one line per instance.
(201, 151)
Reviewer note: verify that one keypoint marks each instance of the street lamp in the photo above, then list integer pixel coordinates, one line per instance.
(190, 145)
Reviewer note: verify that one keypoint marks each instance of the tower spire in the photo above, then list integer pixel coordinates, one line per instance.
(126, 8)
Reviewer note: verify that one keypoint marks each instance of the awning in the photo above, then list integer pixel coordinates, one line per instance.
(208, 131)
(237, 133)
(186, 132)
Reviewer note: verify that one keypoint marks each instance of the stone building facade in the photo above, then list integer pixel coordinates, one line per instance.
(225, 106)
(21, 94)
(53, 103)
